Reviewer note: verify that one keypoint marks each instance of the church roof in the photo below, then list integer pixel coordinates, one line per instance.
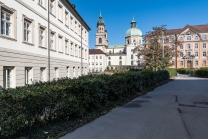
(116, 46)
(100, 20)
(96, 51)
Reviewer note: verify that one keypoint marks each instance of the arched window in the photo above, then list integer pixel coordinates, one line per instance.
(110, 51)
(109, 58)
(109, 63)
(120, 63)
(120, 57)
(127, 41)
(100, 40)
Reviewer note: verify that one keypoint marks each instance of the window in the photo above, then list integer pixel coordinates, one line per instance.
(132, 56)
(120, 63)
(60, 43)
(73, 71)
(67, 71)
(204, 53)
(204, 62)
(181, 38)
(27, 31)
(96, 63)
(100, 40)
(89, 57)
(109, 58)
(173, 46)
(93, 57)
(189, 53)
(72, 49)
(109, 63)
(127, 41)
(134, 40)
(132, 62)
(196, 45)
(66, 18)
(93, 63)
(120, 51)
(196, 38)
(188, 38)
(204, 45)
(66, 47)
(181, 63)
(52, 11)
(6, 23)
(28, 75)
(71, 23)
(41, 3)
(42, 40)
(53, 41)
(204, 37)
(60, 12)
(132, 50)
(120, 57)
(96, 57)
(196, 54)
(8, 77)
(56, 73)
(188, 46)
(100, 63)
(181, 53)
(100, 57)
(196, 63)
(167, 40)
(75, 26)
(181, 46)
(43, 74)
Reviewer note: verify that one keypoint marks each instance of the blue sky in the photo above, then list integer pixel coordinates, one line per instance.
(117, 15)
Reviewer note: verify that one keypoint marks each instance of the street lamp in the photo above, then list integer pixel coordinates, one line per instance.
(163, 50)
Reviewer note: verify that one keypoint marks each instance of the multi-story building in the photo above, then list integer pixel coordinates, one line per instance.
(115, 55)
(192, 50)
(25, 38)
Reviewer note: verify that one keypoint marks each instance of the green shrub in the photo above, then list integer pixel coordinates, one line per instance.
(172, 72)
(65, 98)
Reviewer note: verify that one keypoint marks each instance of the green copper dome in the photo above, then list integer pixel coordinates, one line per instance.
(133, 31)
(100, 20)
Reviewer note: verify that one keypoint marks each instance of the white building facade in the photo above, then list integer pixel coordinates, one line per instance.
(117, 55)
(24, 41)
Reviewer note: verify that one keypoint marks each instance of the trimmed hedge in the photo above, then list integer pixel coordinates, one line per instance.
(64, 99)
(202, 72)
(172, 72)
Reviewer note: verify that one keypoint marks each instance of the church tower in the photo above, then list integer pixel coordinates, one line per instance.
(101, 35)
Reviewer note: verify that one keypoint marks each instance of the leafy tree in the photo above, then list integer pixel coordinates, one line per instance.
(152, 50)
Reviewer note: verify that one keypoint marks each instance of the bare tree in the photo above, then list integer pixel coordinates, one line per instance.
(152, 50)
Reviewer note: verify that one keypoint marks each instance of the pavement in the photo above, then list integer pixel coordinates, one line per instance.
(176, 110)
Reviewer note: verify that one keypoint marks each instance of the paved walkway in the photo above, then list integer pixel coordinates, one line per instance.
(176, 110)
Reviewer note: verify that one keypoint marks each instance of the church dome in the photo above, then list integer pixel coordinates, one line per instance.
(133, 32)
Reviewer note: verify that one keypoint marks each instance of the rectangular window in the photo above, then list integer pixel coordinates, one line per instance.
(41, 2)
(196, 63)
(52, 41)
(73, 71)
(189, 53)
(196, 45)
(132, 56)
(72, 49)
(60, 44)
(204, 53)
(100, 57)
(204, 45)
(41, 37)
(52, 10)
(67, 71)
(196, 54)
(27, 31)
(66, 47)
(132, 62)
(181, 63)
(204, 62)
(181, 53)
(96, 57)
(196, 38)
(181, 38)
(100, 63)
(66, 18)
(42, 74)
(28, 75)
(204, 37)
(181, 46)
(188, 46)
(8, 77)
(60, 12)
(96, 63)
(71, 23)
(56, 73)
(92, 57)
(188, 38)
(6, 23)
(93, 63)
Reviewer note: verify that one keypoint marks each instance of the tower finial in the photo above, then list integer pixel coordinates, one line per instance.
(133, 16)
(100, 14)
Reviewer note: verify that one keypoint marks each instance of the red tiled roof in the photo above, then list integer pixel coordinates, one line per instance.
(96, 51)
(197, 28)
